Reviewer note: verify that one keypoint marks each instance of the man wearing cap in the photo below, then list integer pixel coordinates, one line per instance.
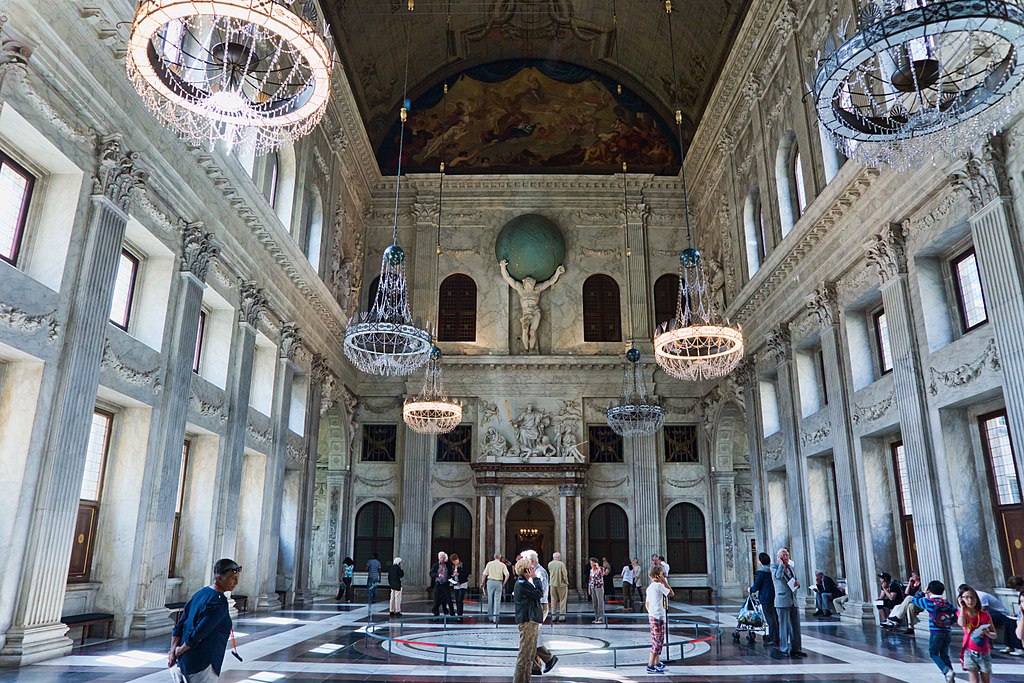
(201, 635)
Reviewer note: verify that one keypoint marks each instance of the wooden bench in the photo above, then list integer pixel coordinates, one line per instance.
(176, 609)
(84, 621)
(699, 595)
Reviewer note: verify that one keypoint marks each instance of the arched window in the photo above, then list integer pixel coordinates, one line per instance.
(375, 533)
(754, 231)
(314, 229)
(456, 316)
(608, 534)
(602, 321)
(686, 540)
(789, 180)
(798, 183)
(452, 531)
(666, 298)
(271, 171)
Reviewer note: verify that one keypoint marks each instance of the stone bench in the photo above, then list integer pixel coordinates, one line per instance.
(84, 621)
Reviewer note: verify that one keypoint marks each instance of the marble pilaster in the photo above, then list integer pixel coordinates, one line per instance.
(647, 513)
(638, 271)
(414, 527)
(887, 253)
(36, 632)
(570, 497)
(157, 511)
(723, 522)
(746, 377)
(321, 384)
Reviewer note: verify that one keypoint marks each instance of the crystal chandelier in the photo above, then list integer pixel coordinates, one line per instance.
(430, 411)
(920, 80)
(253, 73)
(387, 340)
(699, 343)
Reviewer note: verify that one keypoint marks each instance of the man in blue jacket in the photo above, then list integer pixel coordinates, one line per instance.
(764, 587)
(201, 635)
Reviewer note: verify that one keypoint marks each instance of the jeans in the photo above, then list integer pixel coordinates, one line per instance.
(442, 599)
(395, 604)
(371, 591)
(527, 651)
(597, 597)
(1009, 626)
(493, 597)
(789, 629)
(823, 601)
(460, 597)
(938, 650)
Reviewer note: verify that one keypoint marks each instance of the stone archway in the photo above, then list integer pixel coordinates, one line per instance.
(530, 524)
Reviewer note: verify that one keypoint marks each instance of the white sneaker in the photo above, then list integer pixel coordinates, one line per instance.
(1016, 652)
(950, 676)
(1005, 650)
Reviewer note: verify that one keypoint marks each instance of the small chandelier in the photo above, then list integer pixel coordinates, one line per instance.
(920, 79)
(636, 413)
(697, 344)
(388, 340)
(430, 411)
(250, 72)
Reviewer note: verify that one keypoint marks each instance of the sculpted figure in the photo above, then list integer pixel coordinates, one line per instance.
(495, 445)
(544, 448)
(568, 447)
(529, 299)
(530, 426)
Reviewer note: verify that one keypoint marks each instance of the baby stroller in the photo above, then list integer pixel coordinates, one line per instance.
(750, 619)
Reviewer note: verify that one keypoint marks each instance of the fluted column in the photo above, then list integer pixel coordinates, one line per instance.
(780, 352)
(572, 553)
(639, 305)
(414, 538)
(230, 459)
(746, 377)
(647, 514)
(887, 253)
(1001, 265)
(36, 632)
(850, 484)
(157, 514)
(273, 480)
(318, 400)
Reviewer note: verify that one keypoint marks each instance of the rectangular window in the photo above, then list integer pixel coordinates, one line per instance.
(15, 192)
(999, 450)
(906, 510)
(82, 545)
(455, 446)
(124, 289)
(881, 325)
(970, 299)
(762, 235)
(379, 443)
(179, 503)
(902, 475)
(681, 443)
(198, 355)
(605, 444)
(820, 358)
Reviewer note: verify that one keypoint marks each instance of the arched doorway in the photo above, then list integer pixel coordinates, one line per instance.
(607, 536)
(686, 539)
(530, 525)
(452, 532)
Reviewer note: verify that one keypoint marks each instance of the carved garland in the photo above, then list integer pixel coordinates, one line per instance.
(966, 373)
(874, 411)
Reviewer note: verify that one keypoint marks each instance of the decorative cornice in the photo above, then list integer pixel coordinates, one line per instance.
(251, 302)
(197, 248)
(887, 251)
(824, 305)
(118, 176)
(966, 373)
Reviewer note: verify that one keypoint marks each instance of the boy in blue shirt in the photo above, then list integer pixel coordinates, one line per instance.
(941, 615)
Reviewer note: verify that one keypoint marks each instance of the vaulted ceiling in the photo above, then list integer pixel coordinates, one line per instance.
(371, 37)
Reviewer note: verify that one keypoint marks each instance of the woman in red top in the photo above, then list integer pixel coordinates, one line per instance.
(596, 589)
(976, 651)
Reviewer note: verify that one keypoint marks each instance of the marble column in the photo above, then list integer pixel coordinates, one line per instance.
(224, 525)
(414, 534)
(273, 480)
(887, 253)
(850, 483)
(647, 515)
(571, 499)
(338, 492)
(318, 401)
(1000, 255)
(780, 353)
(747, 379)
(723, 497)
(157, 514)
(36, 632)
(640, 309)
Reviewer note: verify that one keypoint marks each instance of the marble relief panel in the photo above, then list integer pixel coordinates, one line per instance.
(885, 536)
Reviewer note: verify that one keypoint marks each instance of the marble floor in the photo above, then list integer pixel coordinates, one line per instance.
(344, 644)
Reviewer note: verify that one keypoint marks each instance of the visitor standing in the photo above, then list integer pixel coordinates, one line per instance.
(786, 585)
(347, 570)
(372, 578)
(595, 588)
(395, 576)
(609, 579)
(459, 582)
(527, 592)
(627, 585)
(201, 633)
(658, 592)
(638, 583)
(440, 572)
(544, 656)
(940, 620)
(664, 565)
(559, 575)
(764, 587)
(976, 622)
(494, 578)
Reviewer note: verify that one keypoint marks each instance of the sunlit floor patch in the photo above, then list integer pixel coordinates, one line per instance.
(131, 658)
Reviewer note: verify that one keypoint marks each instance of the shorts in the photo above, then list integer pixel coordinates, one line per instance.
(976, 661)
(658, 630)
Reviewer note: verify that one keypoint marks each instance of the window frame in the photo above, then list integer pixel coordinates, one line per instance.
(376, 507)
(453, 322)
(883, 352)
(441, 451)
(619, 454)
(179, 505)
(799, 188)
(136, 261)
(761, 232)
(677, 548)
(92, 505)
(958, 293)
(197, 356)
(668, 430)
(604, 316)
(22, 220)
(999, 509)
(365, 443)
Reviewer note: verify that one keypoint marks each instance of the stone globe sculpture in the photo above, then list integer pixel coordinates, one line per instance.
(533, 246)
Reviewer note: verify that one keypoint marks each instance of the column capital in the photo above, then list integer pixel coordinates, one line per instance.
(638, 213)
(423, 212)
(824, 304)
(197, 248)
(777, 341)
(117, 175)
(290, 342)
(252, 301)
(982, 175)
(492, 490)
(745, 373)
(570, 490)
(887, 251)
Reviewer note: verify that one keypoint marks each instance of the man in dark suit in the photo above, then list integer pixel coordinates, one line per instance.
(764, 588)
(440, 573)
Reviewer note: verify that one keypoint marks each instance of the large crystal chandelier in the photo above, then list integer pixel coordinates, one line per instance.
(699, 343)
(431, 411)
(253, 73)
(387, 340)
(920, 79)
